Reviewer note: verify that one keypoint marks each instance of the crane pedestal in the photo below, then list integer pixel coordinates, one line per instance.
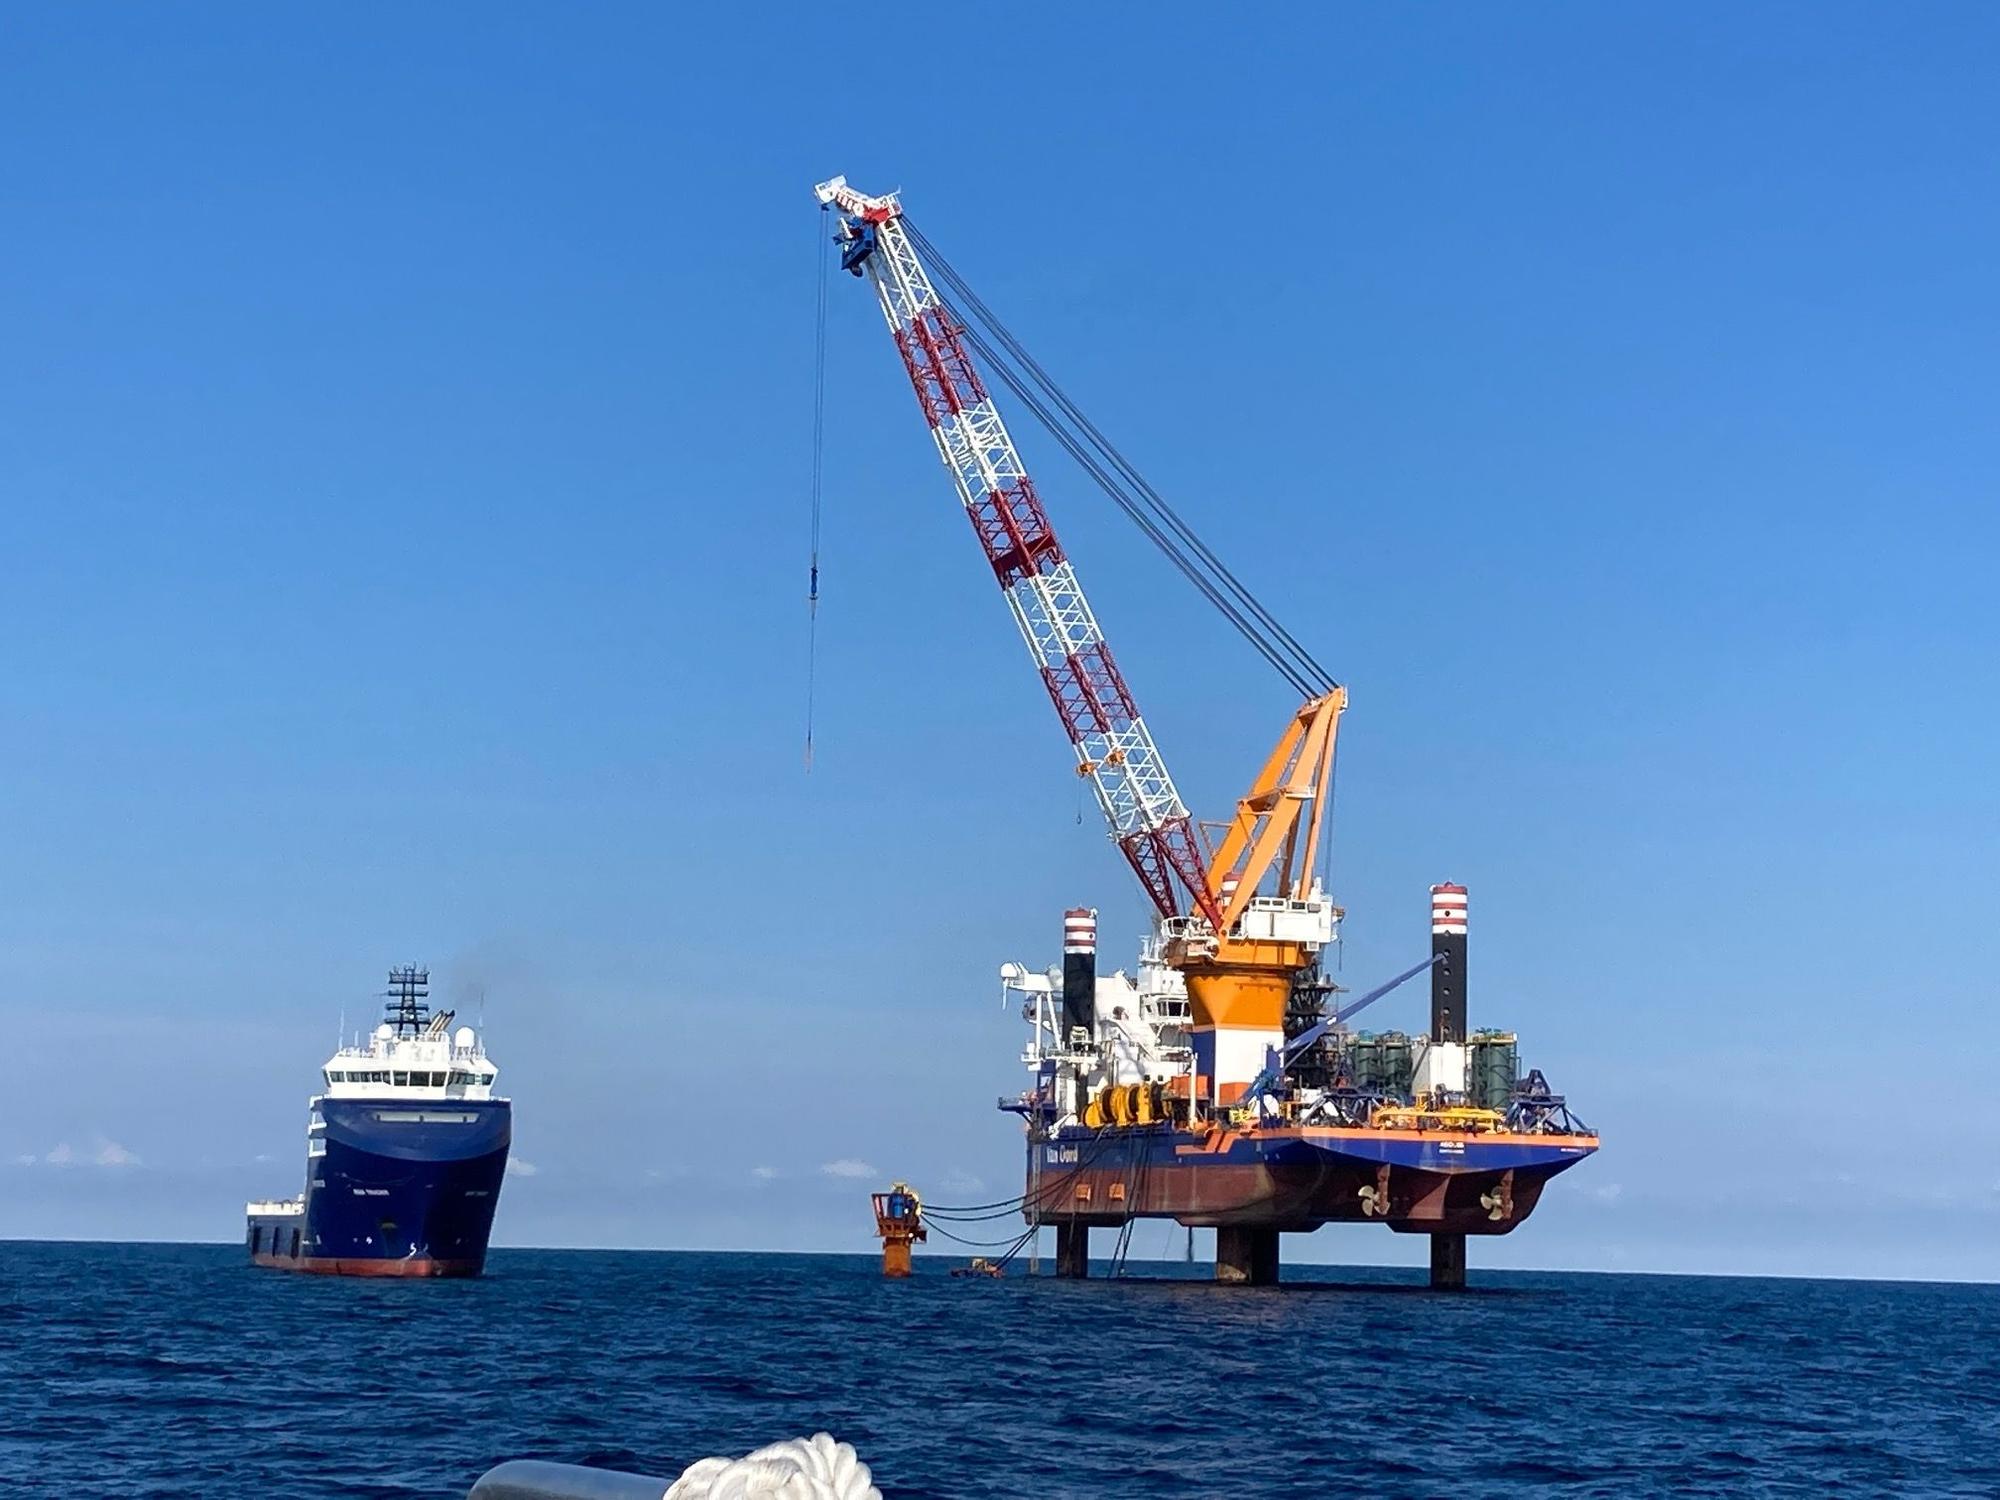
(1246, 1255)
(1448, 1262)
(1073, 1251)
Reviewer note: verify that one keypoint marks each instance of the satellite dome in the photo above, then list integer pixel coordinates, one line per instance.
(384, 1032)
(463, 1038)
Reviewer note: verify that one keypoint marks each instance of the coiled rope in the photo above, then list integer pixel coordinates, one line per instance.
(814, 1468)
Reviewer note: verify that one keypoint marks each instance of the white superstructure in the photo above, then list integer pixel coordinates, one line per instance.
(1140, 1033)
(414, 1057)
(429, 1064)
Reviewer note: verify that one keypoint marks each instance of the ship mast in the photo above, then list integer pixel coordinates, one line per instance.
(408, 1009)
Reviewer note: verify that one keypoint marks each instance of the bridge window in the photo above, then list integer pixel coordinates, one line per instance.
(400, 1080)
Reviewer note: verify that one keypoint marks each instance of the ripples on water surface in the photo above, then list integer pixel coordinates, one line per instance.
(177, 1371)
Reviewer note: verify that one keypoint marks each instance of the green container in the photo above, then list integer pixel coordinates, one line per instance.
(1397, 1064)
(1496, 1065)
(1363, 1060)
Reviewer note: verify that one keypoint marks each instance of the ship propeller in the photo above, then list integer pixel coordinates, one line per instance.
(1375, 1196)
(1499, 1203)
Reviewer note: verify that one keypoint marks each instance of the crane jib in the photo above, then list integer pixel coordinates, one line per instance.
(1114, 748)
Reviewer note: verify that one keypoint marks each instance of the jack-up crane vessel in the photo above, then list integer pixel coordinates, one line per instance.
(1244, 922)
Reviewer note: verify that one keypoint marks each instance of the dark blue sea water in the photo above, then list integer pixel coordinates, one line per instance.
(175, 1370)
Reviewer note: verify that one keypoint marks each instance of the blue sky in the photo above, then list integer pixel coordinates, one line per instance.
(404, 434)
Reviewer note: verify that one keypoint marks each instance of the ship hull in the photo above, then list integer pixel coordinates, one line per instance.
(400, 1188)
(338, 1266)
(1298, 1178)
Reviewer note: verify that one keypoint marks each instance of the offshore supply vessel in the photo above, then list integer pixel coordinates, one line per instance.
(405, 1152)
(1222, 1086)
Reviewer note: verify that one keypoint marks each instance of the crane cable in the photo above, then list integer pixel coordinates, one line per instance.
(1012, 1239)
(975, 1213)
(1187, 567)
(1151, 497)
(1091, 466)
(1135, 496)
(825, 253)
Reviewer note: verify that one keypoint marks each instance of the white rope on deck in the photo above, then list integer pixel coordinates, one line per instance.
(814, 1468)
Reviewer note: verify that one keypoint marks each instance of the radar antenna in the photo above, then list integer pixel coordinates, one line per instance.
(409, 1008)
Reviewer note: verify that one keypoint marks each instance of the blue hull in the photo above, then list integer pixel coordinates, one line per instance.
(404, 1188)
(1299, 1177)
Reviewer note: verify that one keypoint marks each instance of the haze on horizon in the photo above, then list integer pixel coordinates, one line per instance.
(404, 444)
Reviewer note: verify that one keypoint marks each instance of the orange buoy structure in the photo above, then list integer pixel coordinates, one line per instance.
(899, 1220)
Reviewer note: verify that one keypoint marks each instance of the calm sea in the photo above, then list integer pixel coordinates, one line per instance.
(175, 1370)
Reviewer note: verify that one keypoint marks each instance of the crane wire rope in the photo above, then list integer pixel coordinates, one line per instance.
(1000, 1207)
(1019, 1245)
(1024, 391)
(978, 1212)
(1120, 1252)
(1139, 1173)
(1189, 553)
(1154, 500)
(975, 1244)
(1187, 549)
(1084, 459)
(825, 255)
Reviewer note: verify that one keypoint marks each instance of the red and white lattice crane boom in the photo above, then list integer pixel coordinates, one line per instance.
(1114, 749)
(1240, 942)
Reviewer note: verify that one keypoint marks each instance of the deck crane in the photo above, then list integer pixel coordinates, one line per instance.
(1243, 918)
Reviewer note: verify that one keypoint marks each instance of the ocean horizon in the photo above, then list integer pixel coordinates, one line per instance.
(1162, 1268)
(179, 1370)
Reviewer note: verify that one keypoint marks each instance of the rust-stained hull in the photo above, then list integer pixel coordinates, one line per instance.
(1298, 1178)
(328, 1265)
